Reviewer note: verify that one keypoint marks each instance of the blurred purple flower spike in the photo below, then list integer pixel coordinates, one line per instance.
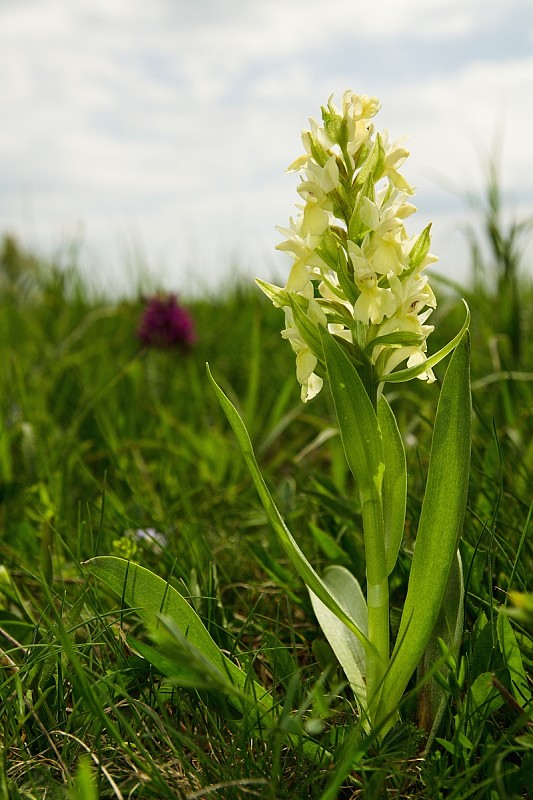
(165, 324)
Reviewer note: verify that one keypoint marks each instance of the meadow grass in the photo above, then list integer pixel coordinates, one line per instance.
(100, 438)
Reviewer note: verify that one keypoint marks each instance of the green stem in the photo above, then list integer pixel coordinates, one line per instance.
(376, 571)
(377, 592)
(378, 633)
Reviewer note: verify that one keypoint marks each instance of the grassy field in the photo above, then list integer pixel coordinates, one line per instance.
(101, 438)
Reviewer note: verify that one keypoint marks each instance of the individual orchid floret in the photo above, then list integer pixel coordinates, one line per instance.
(388, 210)
(306, 361)
(326, 177)
(359, 106)
(374, 303)
(385, 252)
(395, 156)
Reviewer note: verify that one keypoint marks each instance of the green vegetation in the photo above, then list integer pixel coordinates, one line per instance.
(100, 439)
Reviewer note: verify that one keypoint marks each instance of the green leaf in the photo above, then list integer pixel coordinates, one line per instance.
(357, 419)
(151, 597)
(84, 784)
(363, 447)
(420, 248)
(513, 660)
(328, 249)
(329, 545)
(345, 275)
(295, 554)
(347, 648)
(192, 669)
(394, 491)
(485, 654)
(399, 338)
(278, 296)
(440, 525)
(308, 329)
(281, 659)
(319, 153)
(356, 226)
(485, 697)
(160, 661)
(432, 699)
(283, 577)
(183, 665)
(373, 164)
(334, 124)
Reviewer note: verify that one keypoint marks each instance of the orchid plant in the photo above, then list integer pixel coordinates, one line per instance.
(356, 306)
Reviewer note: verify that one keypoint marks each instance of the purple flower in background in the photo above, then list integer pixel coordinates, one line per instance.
(166, 324)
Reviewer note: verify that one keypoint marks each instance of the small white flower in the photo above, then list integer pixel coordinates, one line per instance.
(315, 218)
(306, 360)
(387, 211)
(419, 358)
(359, 106)
(326, 177)
(395, 155)
(412, 294)
(374, 303)
(385, 252)
(157, 541)
(298, 279)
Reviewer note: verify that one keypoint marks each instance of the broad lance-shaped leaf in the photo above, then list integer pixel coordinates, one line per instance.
(432, 699)
(151, 596)
(182, 634)
(357, 419)
(439, 529)
(361, 439)
(394, 491)
(363, 447)
(296, 556)
(347, 648)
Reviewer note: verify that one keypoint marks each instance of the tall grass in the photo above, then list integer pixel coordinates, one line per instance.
(100, 438)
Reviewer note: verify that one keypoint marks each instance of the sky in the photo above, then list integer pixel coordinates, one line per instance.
(154, 136)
